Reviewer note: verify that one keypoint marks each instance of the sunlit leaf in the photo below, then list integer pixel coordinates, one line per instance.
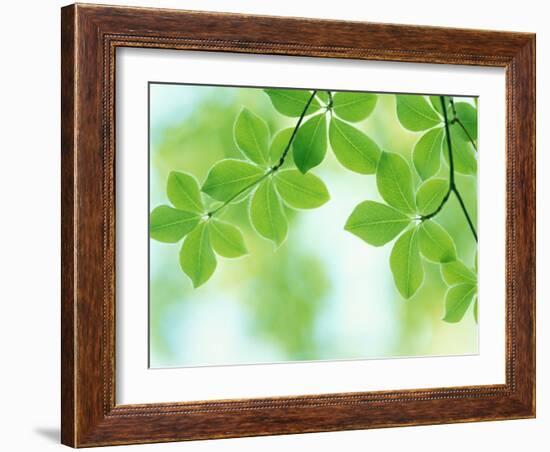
(291, 102)
(353, 149)
(376, 223)
(197, 259)
(475, 309)
(415, 113)
(267, 214)
(430, 195)
(310, 143)
(427, 153)
(278, 146)
(467, 114)
(406, 264)
(227, 240)
(457, 301)
(229, 177)
(394, 182)
(464, 156)
(436, 103)
(183, 192)
(457, 273)
(323, 96)
(301, 191)
(170, 225)
(252, 136)
(435, 243)
(354, 106)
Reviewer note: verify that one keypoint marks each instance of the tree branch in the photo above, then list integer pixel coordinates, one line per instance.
(273, 169)
(296, 127)
(240, 192)
(463, 206)
(452, 186)
(459, 122)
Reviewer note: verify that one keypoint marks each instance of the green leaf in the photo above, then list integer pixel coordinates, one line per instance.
(183, 192)
(464, 156)
(406, 264)
(170, 225)
(415, 113)
(427, 153)
(475, 309)
(226, 239)
(252, 136)
(301, 191)
(354, 106)
(278, 146)
(435, 242)
(291, 102)
(436, 103)
(323, 96)
(457, 301)
(430, 195)
(457, 273)
(197, 259)
(394, 182)
(353, 149)
(467, 114)
(310, 143)
(376, 223)
(267, 214)
(230, 177)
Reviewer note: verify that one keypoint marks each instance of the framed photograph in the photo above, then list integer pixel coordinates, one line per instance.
(280, 225)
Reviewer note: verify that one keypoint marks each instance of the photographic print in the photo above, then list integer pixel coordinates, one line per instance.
(294, 225)
(288, 225)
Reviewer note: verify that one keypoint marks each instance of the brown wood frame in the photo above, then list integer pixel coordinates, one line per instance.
(90, 35)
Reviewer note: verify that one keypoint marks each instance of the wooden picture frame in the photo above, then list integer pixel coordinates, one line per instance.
(90, 36)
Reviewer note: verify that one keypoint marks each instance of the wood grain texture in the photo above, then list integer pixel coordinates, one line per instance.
(90, 36)
(68, 298)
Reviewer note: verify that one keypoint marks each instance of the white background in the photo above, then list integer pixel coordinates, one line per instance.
(137, 384)
(29, 394)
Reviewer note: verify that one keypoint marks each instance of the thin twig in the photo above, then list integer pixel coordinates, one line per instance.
(273, 169)
(296, 127)
(459, 122)
(452, 185)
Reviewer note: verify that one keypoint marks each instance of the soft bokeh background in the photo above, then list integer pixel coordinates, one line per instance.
(324, 294)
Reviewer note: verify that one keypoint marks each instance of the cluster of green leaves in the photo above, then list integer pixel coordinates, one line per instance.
(260, 177)
(266, 177)
(408, 214)
(416, 114)
(188, 218)
(462, 283)
(329, 121)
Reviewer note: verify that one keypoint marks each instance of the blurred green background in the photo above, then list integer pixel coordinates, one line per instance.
(324, 294)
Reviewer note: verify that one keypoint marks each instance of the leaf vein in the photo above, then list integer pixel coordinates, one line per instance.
(189, 198)
(233, 181)
(398, 185)
(173, 223)
(467, 297)
(300, 188)
(357, 148)
(419, 112)
(370, 223)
